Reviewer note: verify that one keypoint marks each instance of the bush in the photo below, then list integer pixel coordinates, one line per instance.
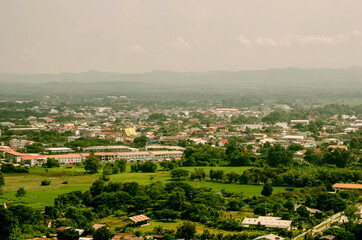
(10, 168)
(65, 182)
(45, 182)
(105, 178)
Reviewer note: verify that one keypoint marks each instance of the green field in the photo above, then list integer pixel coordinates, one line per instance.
(39, 196)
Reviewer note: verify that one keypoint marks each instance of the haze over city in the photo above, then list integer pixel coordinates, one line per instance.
(140, 36)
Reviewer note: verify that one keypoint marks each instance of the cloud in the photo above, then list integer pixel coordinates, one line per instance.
(266, 42)
(301, 40)
(182, 44)
(244, 40)
(136, 48)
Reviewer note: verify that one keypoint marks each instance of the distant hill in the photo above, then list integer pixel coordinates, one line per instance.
(274, 81)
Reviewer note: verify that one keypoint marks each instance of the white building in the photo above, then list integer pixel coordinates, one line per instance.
(304, 122)
(107, 149)
(269, 237)
(166, 155)
(271, 222)
(17, 144)
(33, 160)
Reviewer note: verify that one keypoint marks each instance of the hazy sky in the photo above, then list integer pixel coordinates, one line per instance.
(52, 36)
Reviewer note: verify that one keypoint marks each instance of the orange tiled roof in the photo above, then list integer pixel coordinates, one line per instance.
(347, 185)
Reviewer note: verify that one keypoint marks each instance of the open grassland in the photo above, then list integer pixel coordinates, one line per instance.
(39, 196)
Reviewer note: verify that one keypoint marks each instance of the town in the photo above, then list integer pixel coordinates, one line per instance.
(309, 155)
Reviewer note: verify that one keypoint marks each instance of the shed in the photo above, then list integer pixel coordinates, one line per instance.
(141, 220)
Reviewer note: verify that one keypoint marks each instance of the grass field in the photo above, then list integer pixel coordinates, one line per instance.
(39, 196)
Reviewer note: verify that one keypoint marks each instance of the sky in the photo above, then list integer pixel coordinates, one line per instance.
(130, 36)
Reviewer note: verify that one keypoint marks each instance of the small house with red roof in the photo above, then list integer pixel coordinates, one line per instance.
(223, 142)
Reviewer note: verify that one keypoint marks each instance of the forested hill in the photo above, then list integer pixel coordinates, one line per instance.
(278, 81)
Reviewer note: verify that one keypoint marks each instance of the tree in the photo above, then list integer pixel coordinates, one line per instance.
(167, 214)
(313, 157)
(329, 201)
(179, 173)
(340, 157)
(35, 148)
(351, 213)
(355, 143)
(51, 162)
(148, 167)
(140, 142)
(198, 174)
(187, 230)
(217, 174)
(278, 155)
(8, 223)
(121, 164)
(20, 192)
(303, 212)
(267, 189)
(2, 180)
(97, 187)
(168, 165)
(69, 234)
(157, 117)
(102, 234)
(295, 147)
(45, 182)
(91, 164)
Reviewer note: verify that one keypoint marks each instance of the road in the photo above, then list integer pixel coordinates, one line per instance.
(322, 226)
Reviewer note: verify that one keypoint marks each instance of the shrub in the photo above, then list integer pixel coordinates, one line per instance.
(45, 182)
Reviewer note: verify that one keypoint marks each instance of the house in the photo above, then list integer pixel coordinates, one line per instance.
(123, 236)
(269, 237)
(311, 210)
(141, 220)
(88, 237)
(346, 186)
(328, 237)
(63, 228)
(223, 142)
(337, 146)
(98, 226)
(270, 222)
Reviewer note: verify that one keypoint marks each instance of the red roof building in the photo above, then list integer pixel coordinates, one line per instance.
(350, 186)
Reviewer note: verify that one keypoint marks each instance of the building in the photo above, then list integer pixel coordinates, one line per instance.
(11, 155)
(303, 122)
(270, 222)
(33, 160)
(293, 138)
(59, 150)
(166, 155)
(129, 132)
(108, 149)
(136, 156)
(17, 144)
(141, 220)
(346, 186)
(68, 158)
(311, 210)
(269, 237)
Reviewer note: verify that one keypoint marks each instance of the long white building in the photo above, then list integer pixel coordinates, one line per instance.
(141, 156)
(271, 222)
